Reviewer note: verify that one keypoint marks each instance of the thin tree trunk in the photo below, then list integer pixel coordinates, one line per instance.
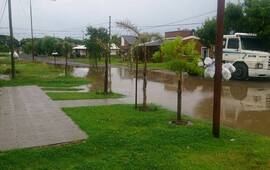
(66, 65)
(54, 57)
(106, 74)
(145, 80)
(179, 98)
(136, 82)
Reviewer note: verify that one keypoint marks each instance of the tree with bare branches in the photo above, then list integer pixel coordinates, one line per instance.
(142, 38)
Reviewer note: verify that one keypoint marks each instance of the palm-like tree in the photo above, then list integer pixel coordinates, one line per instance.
(142, 38)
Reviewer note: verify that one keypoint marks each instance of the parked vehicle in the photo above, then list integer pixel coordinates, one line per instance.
(247, 53)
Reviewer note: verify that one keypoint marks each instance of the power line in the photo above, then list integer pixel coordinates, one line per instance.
(179, 21)
(3, 12)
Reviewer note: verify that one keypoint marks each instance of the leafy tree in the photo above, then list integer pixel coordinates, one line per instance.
(207, 32)
(252, 16)
(67, 48)
(96, 35)
(43, 46)
(182, 57)
(257, 13)
(116, 40)
(98, 46)
(73, 41)
(5, 43)
(234, 19)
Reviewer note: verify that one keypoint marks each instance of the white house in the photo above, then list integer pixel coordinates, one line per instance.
(79, 50)
(114, 49)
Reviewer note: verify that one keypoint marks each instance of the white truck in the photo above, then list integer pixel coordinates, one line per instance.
(247, 54)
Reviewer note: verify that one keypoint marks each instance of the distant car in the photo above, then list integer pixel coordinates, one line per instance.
(55, 54)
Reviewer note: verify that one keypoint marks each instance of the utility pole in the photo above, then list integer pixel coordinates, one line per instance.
(110, 69)
(110, 34)
(218, 69)
(32, 32)
(107, 61)
(11, 40)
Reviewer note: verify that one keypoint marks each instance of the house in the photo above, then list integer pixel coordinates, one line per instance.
(114, 49)
(186, 35)
(126, 42)
(151, 48)
(79, 51)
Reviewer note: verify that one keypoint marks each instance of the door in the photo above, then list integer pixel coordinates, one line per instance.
(232, 51)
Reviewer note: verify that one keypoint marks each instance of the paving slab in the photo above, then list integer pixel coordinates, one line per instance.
(29, 118)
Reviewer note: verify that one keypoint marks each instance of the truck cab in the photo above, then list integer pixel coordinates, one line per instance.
(247, 53)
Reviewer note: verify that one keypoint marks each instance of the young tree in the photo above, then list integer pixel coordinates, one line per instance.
(98, 45)
(95, 49)
(182, 57)
(142, 38)
(66, 51)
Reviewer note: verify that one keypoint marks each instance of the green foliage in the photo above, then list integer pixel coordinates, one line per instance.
(47, 45)
(257, 13)
(116, 40)
(67, 48)
(121, 137)
(157, 57)
(40, 74)
(97, 37)
(5, 43)
(181, 56)
(207, 32)
(253, 16)
(82, 95)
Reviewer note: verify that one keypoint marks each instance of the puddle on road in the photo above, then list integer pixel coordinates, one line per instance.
(245, 105)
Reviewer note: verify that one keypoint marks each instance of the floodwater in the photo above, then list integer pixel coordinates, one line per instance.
(245, 104)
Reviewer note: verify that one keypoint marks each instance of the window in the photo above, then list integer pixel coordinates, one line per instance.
(233, 43)
(224, 42)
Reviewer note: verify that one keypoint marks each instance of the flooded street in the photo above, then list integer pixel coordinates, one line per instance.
(245, 105)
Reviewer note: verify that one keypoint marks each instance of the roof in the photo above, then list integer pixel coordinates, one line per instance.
(180, 33)
(79, 47)
(114, 47)
(186, 38)
(191, 37)
(130, 38)
(153, 43)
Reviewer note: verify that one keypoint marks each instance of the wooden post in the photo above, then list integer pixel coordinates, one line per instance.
(145, 80)
(32, 32)
(136, 82)
(179, 98)
(218, 69)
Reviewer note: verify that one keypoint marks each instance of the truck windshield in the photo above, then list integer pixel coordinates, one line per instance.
(252, 43)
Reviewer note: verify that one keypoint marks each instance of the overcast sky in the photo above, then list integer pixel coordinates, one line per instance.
(70, 17)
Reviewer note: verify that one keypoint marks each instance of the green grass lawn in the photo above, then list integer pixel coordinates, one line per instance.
(122, 138)
(39, 74)
(81, 95)
(61, 89)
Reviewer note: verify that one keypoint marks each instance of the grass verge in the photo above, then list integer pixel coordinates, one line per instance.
(82, 95)
(123, 138)
(61, 89)
(40, 74)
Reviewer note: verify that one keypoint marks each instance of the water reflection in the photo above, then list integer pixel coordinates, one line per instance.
(245, 105)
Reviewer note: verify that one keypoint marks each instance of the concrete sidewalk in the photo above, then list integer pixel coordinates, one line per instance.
(28, 118)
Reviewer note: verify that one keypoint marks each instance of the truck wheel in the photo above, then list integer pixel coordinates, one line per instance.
(241, 72)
